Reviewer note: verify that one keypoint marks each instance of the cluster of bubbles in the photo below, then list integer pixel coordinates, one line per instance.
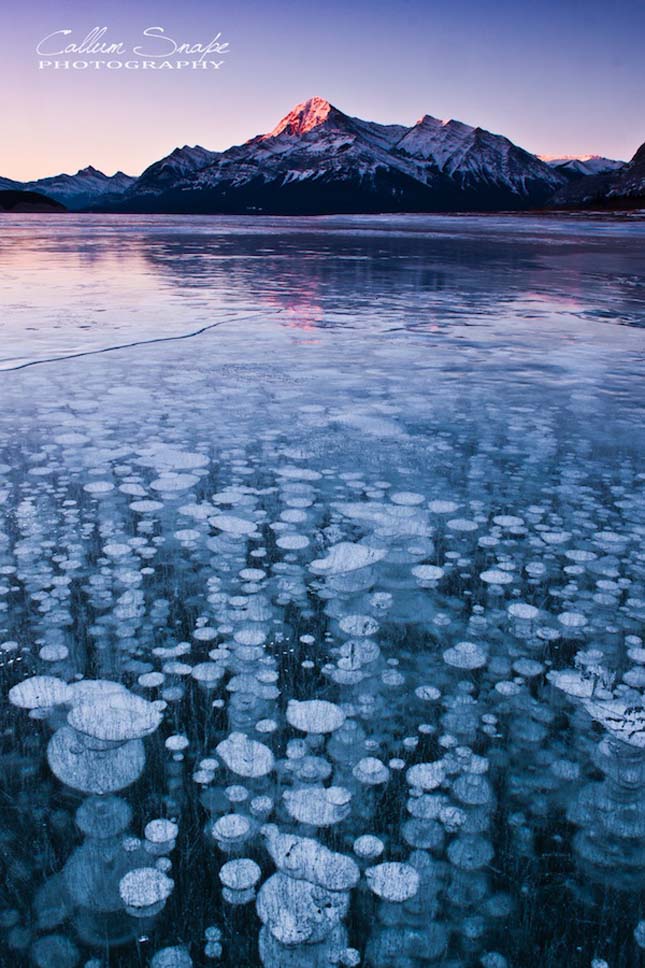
(306, 698)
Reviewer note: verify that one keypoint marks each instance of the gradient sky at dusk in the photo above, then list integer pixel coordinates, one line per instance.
(557, 77)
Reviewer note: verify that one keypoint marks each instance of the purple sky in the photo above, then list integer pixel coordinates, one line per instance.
(559, 77)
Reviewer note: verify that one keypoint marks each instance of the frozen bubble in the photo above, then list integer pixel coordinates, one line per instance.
(611, 539)
(427, 693)
(40, 692)
(145, 507)
(523, 611)
(426, 776)
(393, 881)
(508, 521)
(53, 653)
(356, 653)
(442, 507)
(528, 668)
(231, 829)
(240, 875)
(150, 680)
(368, 847)
(371, 771)
(462, 524)
(174, 957)
(252, 574)
(293, 516)
(116, 550)
(408, 498)
(292, 542)
(555, 537)
(94, 690)
(261, 807)
(314, 715)
(299, 473)
(205, 634)
(428, 572)
(115, 718)
(236, 793)
(579, 555)
(177, 668)
(250, 636)
(233, 525)
(358, 625)
(298, 912)
(423, 834)
(164, 457)
(98, 487)
(245, 757)
(470, 852)
(572, 620)
(350, 958)
(472, 789)
(318, 806)
(494, 576)
(207, 673)
(507, 688)
(187, 535)
(306, 859)
(145, 887)
(92, 771)
(200, 512)
(161, 831)
(346, 557)
(466, 655)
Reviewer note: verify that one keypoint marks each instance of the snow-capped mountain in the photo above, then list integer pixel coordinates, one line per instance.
(318, 159)
(577, 165)
(624, 187)
(82, 189)
(75, 191)
(179, 164)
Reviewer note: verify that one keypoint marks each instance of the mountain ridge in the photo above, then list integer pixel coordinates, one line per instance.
(319, 160)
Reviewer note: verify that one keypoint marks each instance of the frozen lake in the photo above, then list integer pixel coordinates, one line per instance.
(322, 592)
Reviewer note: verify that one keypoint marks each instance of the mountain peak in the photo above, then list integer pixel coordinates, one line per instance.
(428, 121)
(304, 117)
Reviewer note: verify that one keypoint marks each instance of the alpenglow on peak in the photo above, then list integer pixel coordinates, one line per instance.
(304, 117)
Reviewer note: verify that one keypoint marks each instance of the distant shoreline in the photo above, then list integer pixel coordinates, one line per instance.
(605, 214)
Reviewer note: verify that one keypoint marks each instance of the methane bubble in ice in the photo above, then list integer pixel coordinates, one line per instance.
(393, 881)
(315, 716)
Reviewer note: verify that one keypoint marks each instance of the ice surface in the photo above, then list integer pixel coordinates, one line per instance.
(321, 632)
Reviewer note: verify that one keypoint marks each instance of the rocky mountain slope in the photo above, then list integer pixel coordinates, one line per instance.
(318, 159)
